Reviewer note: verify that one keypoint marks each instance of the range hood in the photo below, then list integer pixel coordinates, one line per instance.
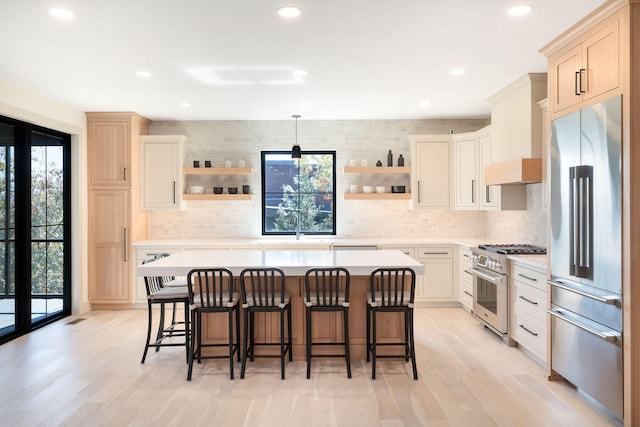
(511, 172)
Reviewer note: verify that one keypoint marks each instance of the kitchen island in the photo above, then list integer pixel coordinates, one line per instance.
(294, 263)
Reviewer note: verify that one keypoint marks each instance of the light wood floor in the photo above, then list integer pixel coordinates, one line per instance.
(89, 373)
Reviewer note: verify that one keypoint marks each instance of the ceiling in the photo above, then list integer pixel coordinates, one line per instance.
(233, 59)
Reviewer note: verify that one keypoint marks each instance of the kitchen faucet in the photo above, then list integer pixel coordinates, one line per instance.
(296, 217)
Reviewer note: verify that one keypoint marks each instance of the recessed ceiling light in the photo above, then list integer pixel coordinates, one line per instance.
(457, 71)
(185, 105)
(519, 10)
(305, 104)
(289, 11)
(143, 74)
(425, 103)
(299, 73)
(60, 13)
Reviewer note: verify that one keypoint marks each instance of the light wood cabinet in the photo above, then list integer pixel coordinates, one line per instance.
(162, 171)
(108, 152)
(109, 240)
(432, 177)
(588, 69)
(115, 218)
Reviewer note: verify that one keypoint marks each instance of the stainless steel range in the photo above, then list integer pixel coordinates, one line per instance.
(491, 283)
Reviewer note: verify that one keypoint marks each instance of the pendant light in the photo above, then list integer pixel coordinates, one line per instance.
(295, 150)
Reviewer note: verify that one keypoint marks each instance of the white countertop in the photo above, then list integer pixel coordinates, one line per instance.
(306, 241)
(292, 262)
(535, 261)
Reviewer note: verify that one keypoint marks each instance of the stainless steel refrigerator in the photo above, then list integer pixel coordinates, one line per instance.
(585, 251)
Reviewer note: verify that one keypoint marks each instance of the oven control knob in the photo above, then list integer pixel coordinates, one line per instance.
(498, 265)
(490, 263)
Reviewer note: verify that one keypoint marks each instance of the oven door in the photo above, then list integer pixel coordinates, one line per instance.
(490, 298)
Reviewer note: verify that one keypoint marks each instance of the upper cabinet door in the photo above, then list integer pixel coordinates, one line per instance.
(162, 171)
(566, 70)
(109, 153)
(432, 175)
(587, 70)
(488, 195)
(466, 173)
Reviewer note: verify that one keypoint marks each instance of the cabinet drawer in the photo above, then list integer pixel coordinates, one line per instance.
(466, 300)
(530, 300)
(435, 252)
(531, 334)
(535, 278)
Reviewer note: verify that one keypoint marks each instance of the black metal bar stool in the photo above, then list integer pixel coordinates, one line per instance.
(263, 292)
(396, 291)
(324, 291)
(159, 295)
(211, 291)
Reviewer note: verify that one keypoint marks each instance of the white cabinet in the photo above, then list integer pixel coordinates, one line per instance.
(474, 152)
(437, 285)
(466, 170)
(431, 174)
(162, 171)
(529, 299)
(465, 278)
(489, 196)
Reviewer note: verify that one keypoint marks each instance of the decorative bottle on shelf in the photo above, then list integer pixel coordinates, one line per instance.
(400, 161)
(390, 159)
(378, 163)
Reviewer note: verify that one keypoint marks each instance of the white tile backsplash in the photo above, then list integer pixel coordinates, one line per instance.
(359, 139)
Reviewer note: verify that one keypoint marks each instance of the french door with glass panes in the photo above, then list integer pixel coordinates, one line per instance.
(35, 252)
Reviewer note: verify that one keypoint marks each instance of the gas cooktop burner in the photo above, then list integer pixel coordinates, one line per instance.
(514, 249)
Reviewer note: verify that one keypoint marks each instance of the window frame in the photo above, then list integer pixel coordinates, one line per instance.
(265, 232)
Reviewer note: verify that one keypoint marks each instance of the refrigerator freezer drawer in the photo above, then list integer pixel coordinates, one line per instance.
(588, 361)
(587, 302)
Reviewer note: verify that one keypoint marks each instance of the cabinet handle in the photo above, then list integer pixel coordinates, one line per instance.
(124, 243)
(575, 82)
(124, 173)
(581, 73)
(468, 272)
(488, 194)
(418, 191)
(527, 277)
(471, 295)
(528, 300)
(531, 332)
(473, 191)
(435, 253)
(174, 192)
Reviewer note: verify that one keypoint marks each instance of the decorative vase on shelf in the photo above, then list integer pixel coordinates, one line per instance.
(400, 161)
(379, 163)
(390, 159)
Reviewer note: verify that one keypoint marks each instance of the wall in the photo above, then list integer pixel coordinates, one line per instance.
(361, 139)
(528, 226)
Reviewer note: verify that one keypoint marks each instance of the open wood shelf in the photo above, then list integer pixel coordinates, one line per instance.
(378, 169)
(377, 196)
(216, 196)
(216, 171)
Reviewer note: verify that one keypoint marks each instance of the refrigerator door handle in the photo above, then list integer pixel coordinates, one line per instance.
(574, 218)
(605, 298)
(610, 336)
(581, 196)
